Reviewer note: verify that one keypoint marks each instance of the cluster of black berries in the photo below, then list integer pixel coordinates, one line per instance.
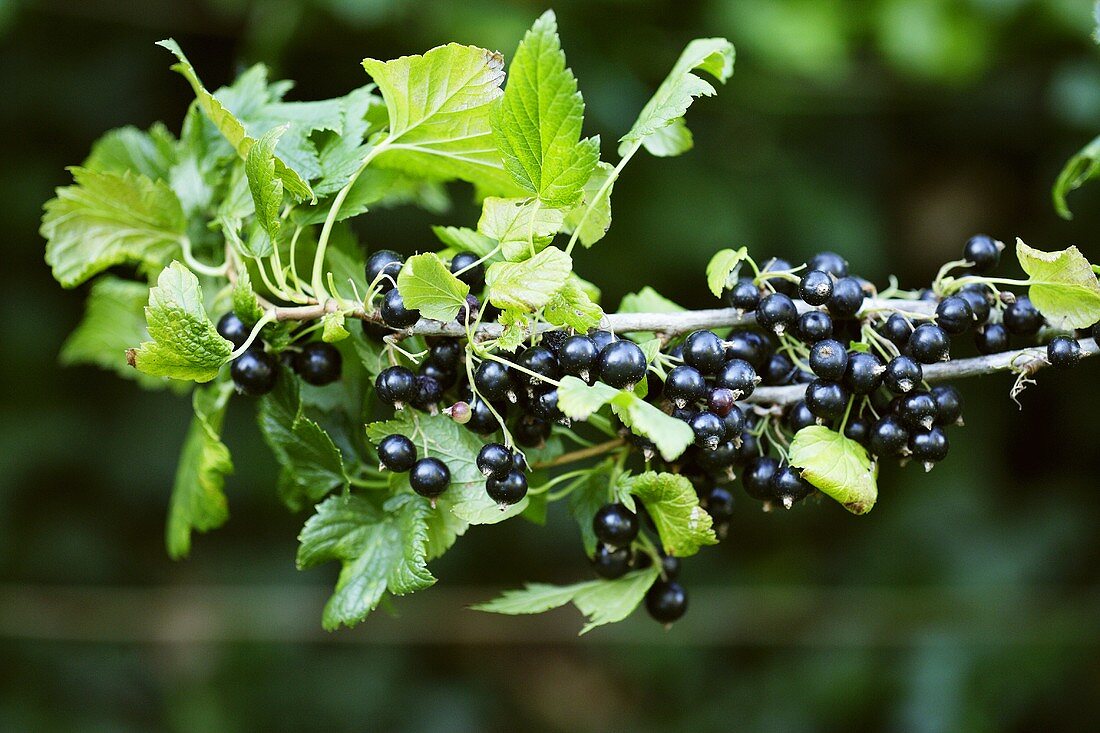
(428, 476)
(256, 371)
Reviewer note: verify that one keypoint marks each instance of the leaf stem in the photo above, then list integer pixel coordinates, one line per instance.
(268, 317)
(614, 176)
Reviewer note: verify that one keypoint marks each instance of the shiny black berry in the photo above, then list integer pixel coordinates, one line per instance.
(482, 420)
(864, 373)
(983, 251)
(395, 385)
(902, 375)
(255, 372)
(622, 364)
(858, 428)
(751, 346)
(954, 315)
(718, 502)
(777, 313)
(829, 359)
(897, 329)
(708, 428)
(734, 422)
(318, 363)
(789, 487)
(917, 410)
(397, 453)
(508, 490)
(601, 339)
(889, 437)
(544, 405)
(685, 385)
(387, 262)
(429, 476)
(737, 375)
(531, 431)
(1022, 318)
(704, 351)
(233, 329)
(493, 381)
(814, 326)
(446, 353)
(540, 360)
(394, 312)
(980, 299)
(780, 284)
(816, 287)
(615, 525)
(779, 370)
(494, 461)
(610, 562)
(744, 295)
(474, 274)
(829, 262)
(992, 338)
(929, 446)
(577, 356)
(757, 477)
(948, 404)
(1063, 352)
(666, 601)
(847, 297)
(929, 344)
(828, 400)
(799, 416)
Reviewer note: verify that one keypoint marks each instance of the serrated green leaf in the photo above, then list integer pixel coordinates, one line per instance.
(245, 303)
(428, 286)
(591, 217)
(601, 601)
(266, 187)
(151, 154)
(572, 307)
(108, 219)
(462, 239)
(438, 107)
(517, 327)
(675, 95)
(647, 300)
(837, 466)
(1062, 285)
(332, 328)
(523, 227)
(721, 266)
(198, 501)
(584, 501)
(528, 285)
(1078, 170)
(537, 125)
(669, 435)
(380, 550)
(184, 342)
(578, 400)
(670, 499)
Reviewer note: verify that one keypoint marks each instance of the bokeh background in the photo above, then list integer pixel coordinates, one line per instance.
(888, 130)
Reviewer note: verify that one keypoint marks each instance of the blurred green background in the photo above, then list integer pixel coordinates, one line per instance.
(888, 130)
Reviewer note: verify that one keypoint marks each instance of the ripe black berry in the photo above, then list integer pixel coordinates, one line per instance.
(758, 477)
(826, 399)
(720, 400)
(864, 372)
(445, 353)
(494, 460)
(394, 312)
(858, 428)
(704, 351)
(739, 376)
(814, 326)
(482, 420)
(902, 375)
(789, 487)
(751, 346)
(397, 453)
(685, 385)
(429, 476)
(780, 284)
(384, 261)
(531, 431)
(508, 490)
(446, 376)
(897, 329)
(847, 297)
(779, 370)
(670, 567)
(929, 446)
(889, 437)
(744, 295)
(734, 423)
(816, 287)
(255, 372)
(395, 385)
(718, 502)
(948, 404)
(829, 262)
(318, 363)
(708, 429)
(980, 299)
(991, 338)
(233, 329)
(615, 525)
(493, 381)
(954, 315)
(799, 416)
(917, 410)
(577, 356)
(544, 405)
(1022, 318)
(777, 313)
(540, 360)
(427, 394)
(983, 251)
(475, 275)
(666, 601)
(1063, 352)
(929, 344)
(601, 339)
(610, 562)
(622, 364)
(829, 359)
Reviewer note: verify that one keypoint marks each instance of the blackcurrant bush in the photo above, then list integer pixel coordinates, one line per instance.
(889, 437)
(917, 410)
(779, 370)
(864, 373)
(493, 381)
(789, 487)
(394, 312)
(983, 251)
(1021, 318)
(255, 372)
(814, 326)
(1063, 352)
(233, 329)
(829, 359)
(494, 461)
(954, 315)
(948, 404)
(318, 363)
(429, 477)
(744, 295)
(708, 429)
(758, 477)
(826, 399)
(387, 262)
(902, 375)
(684, 385)
(992, 338)
(615, 525)
(622, 364)
(611, 562)
(474, 274)
(577, 356)
(739, 376)
(777, 312)
(816, 287)
(704, 351)
(847, 297)
(897, 329)
(929, 446)
(397, 453)
(929, 344)
(508, 490)
(666, 601)
(829, 262)
(720, 400)
(395, 385)
(531, 431)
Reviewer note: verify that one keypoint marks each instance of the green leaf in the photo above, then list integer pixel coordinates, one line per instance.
(591, 218)
(231, 128)
(670, 499)
(439, 106)
(647, 300)
(517, 327)
(584, 501)
(837, 466)
(108, 219)
(311, 464)
(184, 342)
(1062, 285)
(1078, 170)
(151, 154)
(721, 266)
(266, 187)
(462, 239)
(428, 286)
(572, 307)
(523, 227)
(198, 501)
(675, 95)
(245, 304)
(538, 122)
(380, 550)
(578, 400)
(528, 285)
(332, 328)
(601, 601)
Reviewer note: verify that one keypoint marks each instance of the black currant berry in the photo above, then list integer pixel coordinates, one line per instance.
(427, 393)
(858, 428)
(847, 297)
(929, 446)
(799, 416)
(540, 360)
(829, 359)
(611, 562)
(948, 404)
(531, 431)
(395, 385)
(739, 376)
(482, 420)
(980, 299)
(992, 338)
(397, 453)
(917, 410)
(318, 363)
(780, 284)
(983, 251)
(394, 312)
(814, 326)
(233, 329)
(622, 364)
(685, 385)
(508, 490)
(897, 329)
(954, 315)
(864, 373)
(889, 438)
(718, 502)
(816, 287)
(929, 344)
(1022, 318)
(828, 400)
(704, 351)
(384, 261)
(708, 428)
(779, 370)
(615, 525)
(495, 461)
(829, 262)
(493, 381)
(255, 372)
(902, 375)
(720, 400)
(789, 487)
(446, 376)
(446, 353)
(750, 346)
(666, 601)
(757, 477)
(777, 312)
(734, 423)
(545, 406)
(474, 274)
(577, 356)
(429, 477)
(1063, 352)
(744, 295)
(601, 339)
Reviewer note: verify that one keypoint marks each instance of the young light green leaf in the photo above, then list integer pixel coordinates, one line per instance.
(601, 601)
(578, 400)
(675, 95)
(380, 550)
(462, 239)
(572, 307)
(332, 327)
(537, 125)
(266, 187)
(198, 499)
(428, 286)
(517, 327)
(245, 303)
(670, 499)
(108, 219)
(184, 342)
(523, 227)
(1078, 170)
(528, 285)
(151, 154)
(439, 106)
(647, 300)
(1062, 285)
(837, 466)
(591, 217)
(721, 266)
(669, 435)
